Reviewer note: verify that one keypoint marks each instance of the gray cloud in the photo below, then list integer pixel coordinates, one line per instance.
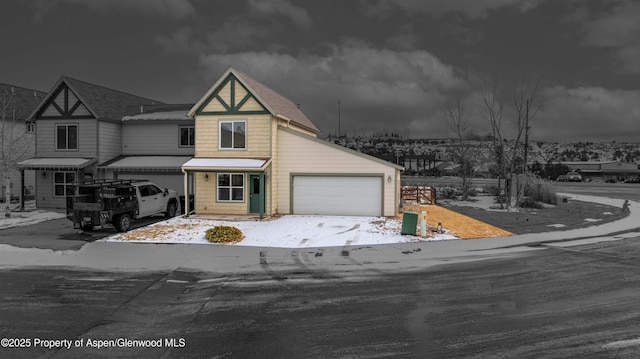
(470, 8)
(297, 15)
(588, 113)
(379, 89)
(618, 30)
(171, 9)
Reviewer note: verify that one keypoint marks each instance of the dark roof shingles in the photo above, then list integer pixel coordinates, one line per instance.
(278, 103)
(108, 103)
(25, 99)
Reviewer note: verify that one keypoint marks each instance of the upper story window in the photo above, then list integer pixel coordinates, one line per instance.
(66, 137)
(233, 134)
(31, 126)
(187, 136)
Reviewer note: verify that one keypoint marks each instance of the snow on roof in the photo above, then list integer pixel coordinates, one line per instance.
(230, 163)
(149, 162)
(56, 163)
(165, 115)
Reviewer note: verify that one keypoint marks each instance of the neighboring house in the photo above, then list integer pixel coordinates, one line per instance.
(256, 152)
(605, 170)
(17, 141)
(155, 144)
(78, 128)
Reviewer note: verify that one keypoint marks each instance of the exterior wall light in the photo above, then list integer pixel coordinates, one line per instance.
(206, 177)
(389, 179)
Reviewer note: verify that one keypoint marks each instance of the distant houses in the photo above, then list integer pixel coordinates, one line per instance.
(605, 170)
(18, 136)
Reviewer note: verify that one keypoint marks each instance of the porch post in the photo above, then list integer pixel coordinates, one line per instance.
(186, 193)
(262, 195)
(22, 189)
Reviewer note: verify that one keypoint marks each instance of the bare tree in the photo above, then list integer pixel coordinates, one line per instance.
(453, 115)
(492, 96)
(526, 106)
(511, 156)
(15, 143)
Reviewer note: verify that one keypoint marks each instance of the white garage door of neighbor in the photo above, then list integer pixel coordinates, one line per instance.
(174, 182)
(334, 195)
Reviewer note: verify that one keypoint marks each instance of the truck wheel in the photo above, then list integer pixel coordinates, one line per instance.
(171, 210)
(87, 227)
(123, 222)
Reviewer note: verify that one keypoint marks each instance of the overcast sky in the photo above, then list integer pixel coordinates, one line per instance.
(392, 64)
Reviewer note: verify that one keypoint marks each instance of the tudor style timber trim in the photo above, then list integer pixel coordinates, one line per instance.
(231, 104)
(66, 103)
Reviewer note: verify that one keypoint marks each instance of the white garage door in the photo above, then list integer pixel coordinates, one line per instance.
(335, 195)
(171, 181)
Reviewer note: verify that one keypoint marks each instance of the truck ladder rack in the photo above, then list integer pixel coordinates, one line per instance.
(108, 182)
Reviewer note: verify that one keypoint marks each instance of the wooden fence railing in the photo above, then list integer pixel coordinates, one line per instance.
(419, 194)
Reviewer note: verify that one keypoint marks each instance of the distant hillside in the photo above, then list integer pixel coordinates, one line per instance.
(392, 147)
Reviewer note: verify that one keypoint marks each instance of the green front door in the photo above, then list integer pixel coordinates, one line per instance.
(256, 197)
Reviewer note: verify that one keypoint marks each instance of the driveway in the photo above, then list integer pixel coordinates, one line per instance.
(59, 234)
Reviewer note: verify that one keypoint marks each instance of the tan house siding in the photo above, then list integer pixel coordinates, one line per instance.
(109, 141)
(154, 138)
(273, 177)
(299, 154)
(295, 127)
(207, 203)
(258, 132)
(44, 181)
(46, 138)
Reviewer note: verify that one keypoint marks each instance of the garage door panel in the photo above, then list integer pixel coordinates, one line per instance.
(336, 195)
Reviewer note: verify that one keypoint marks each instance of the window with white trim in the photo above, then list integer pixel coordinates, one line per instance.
(230, 187)
(187, 136)
(66, 137)
(233, 135)
(63, 184)
(31, 126)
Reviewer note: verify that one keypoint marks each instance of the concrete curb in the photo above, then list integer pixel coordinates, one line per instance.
(368, 259)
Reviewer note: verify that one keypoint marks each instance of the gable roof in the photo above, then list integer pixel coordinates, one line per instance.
(102, 102)
(278, 105)
(341, 148)
(24, 99)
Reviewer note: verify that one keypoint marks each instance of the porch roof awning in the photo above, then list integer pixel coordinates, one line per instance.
(226, 164)
(56, 163)
(147, 163)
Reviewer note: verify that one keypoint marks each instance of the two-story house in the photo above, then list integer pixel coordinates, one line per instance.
(156, 142)
(77, 128)
(257, 153)
(17, 136)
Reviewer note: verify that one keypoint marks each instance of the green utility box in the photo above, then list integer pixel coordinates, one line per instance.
(409, 223)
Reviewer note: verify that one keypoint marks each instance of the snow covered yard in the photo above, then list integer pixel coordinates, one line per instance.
(28, 217)
(291, 231)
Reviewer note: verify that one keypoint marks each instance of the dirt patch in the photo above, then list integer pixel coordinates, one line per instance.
(565, 216)
(460, 225)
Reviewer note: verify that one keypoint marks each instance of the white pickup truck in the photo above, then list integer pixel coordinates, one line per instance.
(118, 202)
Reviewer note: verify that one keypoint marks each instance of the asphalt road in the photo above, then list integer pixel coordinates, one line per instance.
(556, 302)
(551, 301)
(59, 234)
